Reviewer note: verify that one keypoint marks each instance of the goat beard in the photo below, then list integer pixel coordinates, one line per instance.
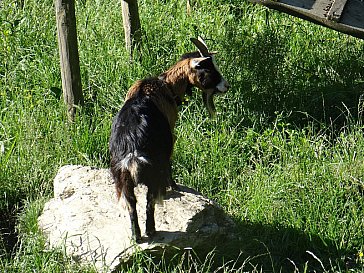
(208, 101)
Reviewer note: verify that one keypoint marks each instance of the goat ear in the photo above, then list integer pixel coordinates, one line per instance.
(196, 63)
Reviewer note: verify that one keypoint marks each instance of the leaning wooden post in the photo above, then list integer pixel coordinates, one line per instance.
(68, 51)
(131, 24)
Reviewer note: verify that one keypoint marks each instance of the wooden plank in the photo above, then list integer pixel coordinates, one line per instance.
(336, 10)
(350, 21)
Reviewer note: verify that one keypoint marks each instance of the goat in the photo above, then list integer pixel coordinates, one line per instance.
(142, 134)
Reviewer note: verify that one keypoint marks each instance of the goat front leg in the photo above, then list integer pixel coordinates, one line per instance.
(150, 224)
(128, 191)
(171, 182)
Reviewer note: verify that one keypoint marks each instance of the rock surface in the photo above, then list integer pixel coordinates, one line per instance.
(85, 218)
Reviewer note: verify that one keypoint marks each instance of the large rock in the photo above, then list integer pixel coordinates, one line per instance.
(85, 218)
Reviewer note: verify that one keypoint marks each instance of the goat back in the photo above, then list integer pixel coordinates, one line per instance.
(142, 142)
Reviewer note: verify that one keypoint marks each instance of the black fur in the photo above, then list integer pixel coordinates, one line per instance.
(194, 54)
(140, 130)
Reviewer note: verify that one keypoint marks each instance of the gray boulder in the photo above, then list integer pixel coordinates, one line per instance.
(85, 218)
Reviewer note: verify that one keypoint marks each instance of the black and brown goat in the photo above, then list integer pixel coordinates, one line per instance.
(142, 135)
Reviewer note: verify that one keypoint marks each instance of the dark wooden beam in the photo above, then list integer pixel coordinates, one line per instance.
(336, 10)
(349, 18)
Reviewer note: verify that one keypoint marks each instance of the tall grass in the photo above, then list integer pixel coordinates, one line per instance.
(284, 156)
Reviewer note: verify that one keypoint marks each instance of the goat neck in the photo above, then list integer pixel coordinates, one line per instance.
(178, 78)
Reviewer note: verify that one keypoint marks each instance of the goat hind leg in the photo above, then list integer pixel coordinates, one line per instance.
(128, 191)
(150, 224)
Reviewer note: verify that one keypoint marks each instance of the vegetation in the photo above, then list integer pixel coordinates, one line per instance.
(284, 156)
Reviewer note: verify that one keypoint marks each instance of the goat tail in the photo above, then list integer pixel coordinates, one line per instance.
(123, 182)
(131, 163)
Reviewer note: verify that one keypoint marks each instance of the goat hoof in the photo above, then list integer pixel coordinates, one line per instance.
(150, 233)
(137, 237)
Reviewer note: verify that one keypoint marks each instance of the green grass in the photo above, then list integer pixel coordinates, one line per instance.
(284, 156)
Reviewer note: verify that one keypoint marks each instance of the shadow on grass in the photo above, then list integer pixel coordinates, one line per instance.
(251, 247)
(300, 71)
(258, 248)
(282, 249)
(8, 233)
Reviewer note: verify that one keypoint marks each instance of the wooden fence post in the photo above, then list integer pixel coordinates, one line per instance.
(68, 51)
(131, 24)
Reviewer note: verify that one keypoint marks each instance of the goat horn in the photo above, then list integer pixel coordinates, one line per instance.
(201, 45)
